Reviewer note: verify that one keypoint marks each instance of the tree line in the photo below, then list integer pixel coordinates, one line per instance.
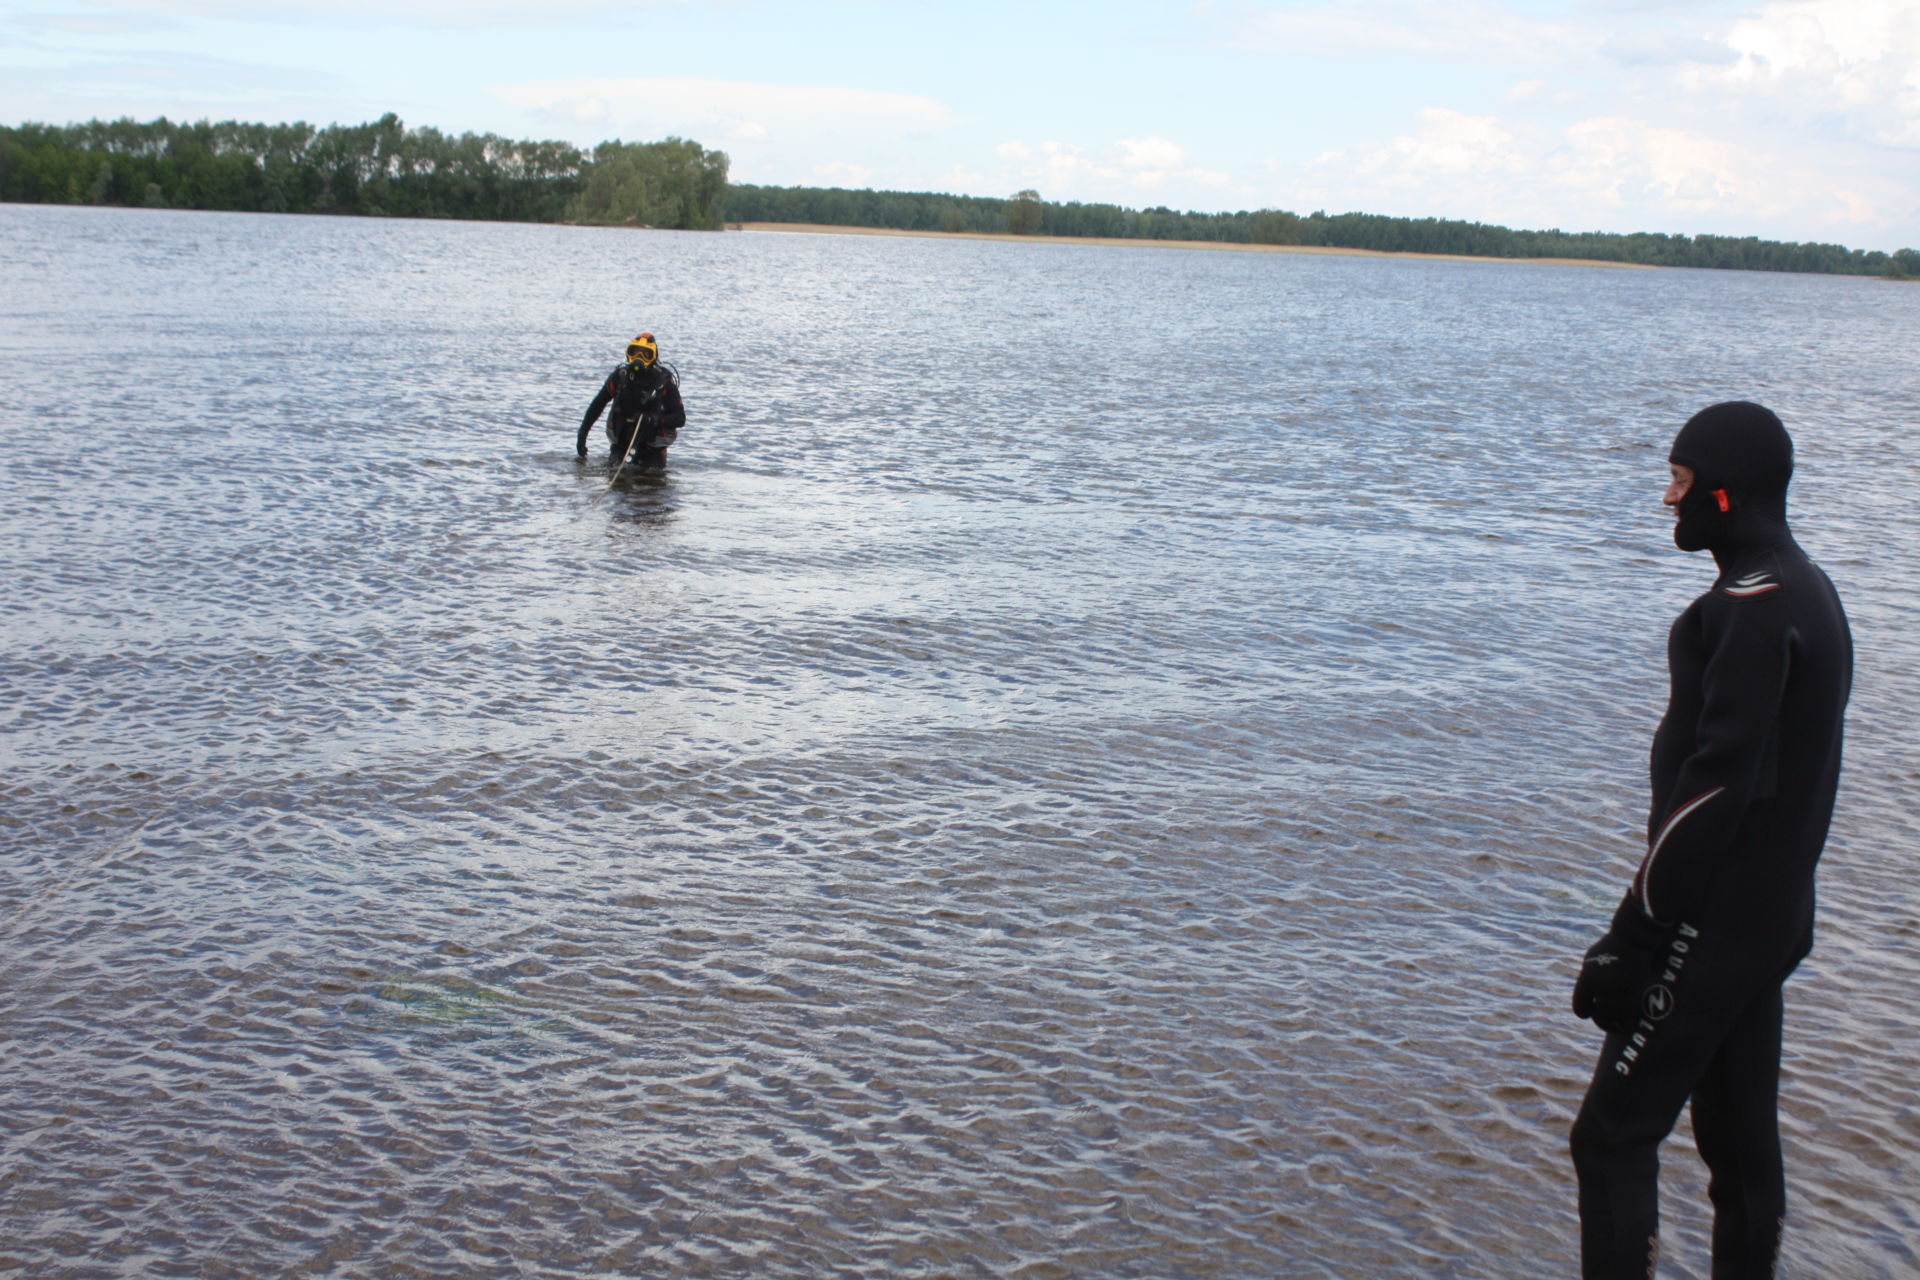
(387, 169)
(1026, 213)
(382, 169)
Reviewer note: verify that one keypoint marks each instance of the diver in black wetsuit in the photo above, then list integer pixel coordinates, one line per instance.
(1687, 982)
(645, 394)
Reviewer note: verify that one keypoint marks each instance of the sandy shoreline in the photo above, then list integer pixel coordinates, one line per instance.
(809, 228)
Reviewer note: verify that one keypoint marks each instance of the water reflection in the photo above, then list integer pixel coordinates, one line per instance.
(1099, 807)
(640, 497)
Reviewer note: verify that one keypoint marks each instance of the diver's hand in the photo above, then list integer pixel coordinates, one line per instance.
(1617, 972)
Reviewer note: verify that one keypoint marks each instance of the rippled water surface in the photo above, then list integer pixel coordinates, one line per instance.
(1092, 762)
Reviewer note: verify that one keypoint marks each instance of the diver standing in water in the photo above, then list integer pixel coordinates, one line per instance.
(645, 395)
(1687, 981)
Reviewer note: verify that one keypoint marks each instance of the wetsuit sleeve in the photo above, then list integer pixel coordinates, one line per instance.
(593, 415)
(673, 413)
(1746, 647)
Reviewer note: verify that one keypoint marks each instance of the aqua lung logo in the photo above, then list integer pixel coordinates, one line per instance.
(1657, 1001)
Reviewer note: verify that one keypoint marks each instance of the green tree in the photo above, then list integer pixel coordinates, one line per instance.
(1025, 212)
(676, 183)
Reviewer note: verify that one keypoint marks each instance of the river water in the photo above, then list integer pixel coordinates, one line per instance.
(1092, 762)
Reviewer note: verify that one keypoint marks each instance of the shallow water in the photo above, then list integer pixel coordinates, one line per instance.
(1092, 762)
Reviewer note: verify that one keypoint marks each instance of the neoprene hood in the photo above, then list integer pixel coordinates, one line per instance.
(1742, 461)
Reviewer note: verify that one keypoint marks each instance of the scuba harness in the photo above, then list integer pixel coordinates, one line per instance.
(636, 398)
(630, 396)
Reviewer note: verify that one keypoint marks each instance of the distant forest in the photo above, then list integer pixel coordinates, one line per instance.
(1027, 213)
(385, 169)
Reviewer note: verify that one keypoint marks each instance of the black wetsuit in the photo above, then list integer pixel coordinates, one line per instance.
(645, 396)
(1688, 981)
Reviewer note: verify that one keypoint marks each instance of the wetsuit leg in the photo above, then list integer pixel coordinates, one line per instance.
(645, 457)
(1723, 1051)
(1736, 1122)
(619, 435)
(1616, 1155)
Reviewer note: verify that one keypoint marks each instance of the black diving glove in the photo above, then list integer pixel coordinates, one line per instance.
(1618, 969)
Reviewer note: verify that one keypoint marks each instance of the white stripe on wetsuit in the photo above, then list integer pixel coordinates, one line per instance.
(1646, 870)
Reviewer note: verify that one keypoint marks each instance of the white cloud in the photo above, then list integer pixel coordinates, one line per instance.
(1150, 153)
(1447, 144)
(1615, 162)
(1647, 47)
(588, 109)
(1789, 118)
(1615, 173)
(176, 84)
(961, 178)
(1124, 171)
(427, 13)
(1068, 168)
(1792, 119)
(841, 173)
(1470, 31)
(1854, 59)
(739, 111)
(117, 24)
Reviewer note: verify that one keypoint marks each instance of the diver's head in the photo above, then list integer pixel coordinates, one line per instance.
(1732, 463)
(643, 351)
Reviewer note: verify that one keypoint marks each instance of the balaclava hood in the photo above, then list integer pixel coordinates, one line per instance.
(1742, 460)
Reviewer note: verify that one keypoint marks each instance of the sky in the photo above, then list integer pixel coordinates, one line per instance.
(1785, 119)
